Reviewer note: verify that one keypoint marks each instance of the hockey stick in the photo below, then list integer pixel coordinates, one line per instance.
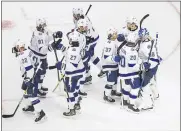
(11, 115)
(143, 19)
(144, 73)
(58, 74)
(88, 9)
(56, 58)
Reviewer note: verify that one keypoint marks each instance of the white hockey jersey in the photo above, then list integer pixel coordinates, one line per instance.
(81, 37)
(91, 31)
(109, 52)
(40, 43)
(130, 36)
(144, 51)
(26, 65)
(129, 65)
(73, 64)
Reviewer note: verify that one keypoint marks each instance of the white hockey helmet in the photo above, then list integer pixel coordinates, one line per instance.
(40, 24)
(19, 44)
(74, 38)
(77, 13)
(82, 25)
(131, 20)
(112, 33)
(132, 23)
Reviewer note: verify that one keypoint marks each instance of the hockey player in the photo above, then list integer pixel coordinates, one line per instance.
(109, 65)
(92, 38)
(129, 64)
(82, 44)
(39, 48)
(73, 70)
(149, 73)
(29, 82)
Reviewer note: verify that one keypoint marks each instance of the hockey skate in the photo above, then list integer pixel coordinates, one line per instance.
(41, 93)
(44, 88)
(70, 113)
(29, 109)
(133, 109)
(101, 74)
(41, 116)
(108, 99)
(115, 93)
(88, 80)
(83, 94)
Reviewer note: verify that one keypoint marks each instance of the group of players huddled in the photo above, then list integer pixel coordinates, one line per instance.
(126, 60)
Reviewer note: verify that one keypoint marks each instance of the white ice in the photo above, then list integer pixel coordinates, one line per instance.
(96, 115)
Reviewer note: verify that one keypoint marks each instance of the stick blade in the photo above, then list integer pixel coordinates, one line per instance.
(7, 116)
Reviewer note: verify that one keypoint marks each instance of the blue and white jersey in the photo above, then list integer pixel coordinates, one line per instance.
(40, 43)
(129, 65)
(26, 65)
(109, 52)
(144, 51)
(130, 36)
(73, 64)
(90, 33)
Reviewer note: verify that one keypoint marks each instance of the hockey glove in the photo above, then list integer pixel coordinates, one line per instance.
(59, 65)
(58, 34)
(57, 45)
(120, 37)
(146, 66)
(89, 40)
(28, 82)
(117, 58)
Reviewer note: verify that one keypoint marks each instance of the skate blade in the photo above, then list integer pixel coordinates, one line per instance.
(102, 76)
(129, 110)
(42, 120)
(88, 83)
(29, 112)
(41, 96)
(70, 117)
(147, 109)
(83, 96)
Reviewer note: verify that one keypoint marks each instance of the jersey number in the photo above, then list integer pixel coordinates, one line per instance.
(107, 49)
(40, 41)
(72, 57)
(35, 59)
(24, 60)
(122, 62)
(133, 57)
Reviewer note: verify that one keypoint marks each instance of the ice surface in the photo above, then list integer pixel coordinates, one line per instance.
(96, 115)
